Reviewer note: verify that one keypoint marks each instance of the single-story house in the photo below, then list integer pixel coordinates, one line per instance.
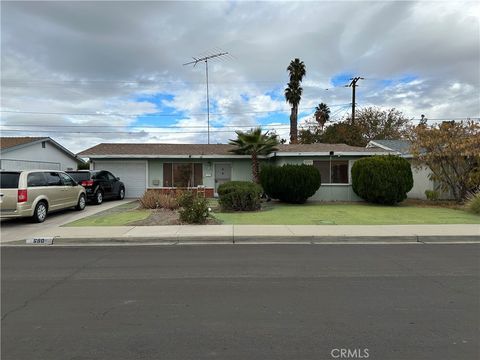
(29, 153)
(168, 166)
(421, 173)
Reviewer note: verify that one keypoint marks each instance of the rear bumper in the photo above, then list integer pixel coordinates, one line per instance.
(22, 210)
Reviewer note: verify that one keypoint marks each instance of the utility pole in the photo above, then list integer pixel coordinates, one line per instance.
(195, 62)
(353, 85)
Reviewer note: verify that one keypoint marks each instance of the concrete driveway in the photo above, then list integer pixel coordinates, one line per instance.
(19, 229)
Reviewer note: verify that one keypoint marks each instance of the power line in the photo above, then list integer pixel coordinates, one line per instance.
(153, 115)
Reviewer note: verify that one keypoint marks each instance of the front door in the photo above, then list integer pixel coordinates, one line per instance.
(223, 173)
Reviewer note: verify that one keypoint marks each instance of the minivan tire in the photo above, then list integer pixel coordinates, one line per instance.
(82, 202)
(98, 199)
(40, 213)
(121, 194)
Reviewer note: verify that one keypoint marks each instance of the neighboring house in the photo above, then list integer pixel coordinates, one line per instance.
(29, 153)
(169, 166)
(421, 173)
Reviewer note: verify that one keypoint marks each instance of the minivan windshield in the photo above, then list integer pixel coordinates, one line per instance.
(9, 180)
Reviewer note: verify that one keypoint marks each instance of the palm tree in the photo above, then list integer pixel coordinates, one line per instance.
(322, 114)
(254, 143)
(293, 94)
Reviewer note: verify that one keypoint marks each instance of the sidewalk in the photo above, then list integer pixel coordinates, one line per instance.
(252, 233)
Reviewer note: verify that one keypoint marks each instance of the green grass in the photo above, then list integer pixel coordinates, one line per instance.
(118, 216)
(347, 214)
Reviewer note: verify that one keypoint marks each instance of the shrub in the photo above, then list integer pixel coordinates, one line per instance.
(153, 199)
(431, 195)
(239, 196)
(194, 209)
(382, 179)
(473, 202)
(290, 183)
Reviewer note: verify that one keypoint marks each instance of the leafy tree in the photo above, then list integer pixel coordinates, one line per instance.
(254, 143)
(372, 123)
(293, 94)
(452, 151)
(322, 114)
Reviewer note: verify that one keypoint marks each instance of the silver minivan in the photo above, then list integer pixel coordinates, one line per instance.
(35, 193)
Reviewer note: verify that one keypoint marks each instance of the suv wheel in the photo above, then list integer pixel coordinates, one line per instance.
(81, 203)
(98, 197)
(121, 194)
(40, 212)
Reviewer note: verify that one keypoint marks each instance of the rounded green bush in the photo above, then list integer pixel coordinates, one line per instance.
(290, 183)
(239, 196)
(382, 179)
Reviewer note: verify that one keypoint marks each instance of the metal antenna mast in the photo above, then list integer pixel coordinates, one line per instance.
(195, 62)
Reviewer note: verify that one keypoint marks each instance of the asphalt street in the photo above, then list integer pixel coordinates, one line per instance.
(243, 302)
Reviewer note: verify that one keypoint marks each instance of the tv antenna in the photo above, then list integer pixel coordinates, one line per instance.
(195, 62)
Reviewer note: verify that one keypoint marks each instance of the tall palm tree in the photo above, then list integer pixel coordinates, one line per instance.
(322, 114)
(293, 94)
(254, 143)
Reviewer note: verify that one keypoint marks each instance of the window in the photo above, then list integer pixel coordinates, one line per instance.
(182, 174)
(67, 180)
(333, 172)
(101, 176)
(9, 180)
(43, 144)
(36, 179)
(111, 177)
(53, 179)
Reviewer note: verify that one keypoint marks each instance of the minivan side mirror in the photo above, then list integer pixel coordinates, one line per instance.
(117, 178)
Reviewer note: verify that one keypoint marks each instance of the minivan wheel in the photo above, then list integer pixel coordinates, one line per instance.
(40, 213)
(121, 194)
(98, 197)
(81, 203)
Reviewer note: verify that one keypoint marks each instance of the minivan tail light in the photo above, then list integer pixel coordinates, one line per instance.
(87, 183)
(22, 195)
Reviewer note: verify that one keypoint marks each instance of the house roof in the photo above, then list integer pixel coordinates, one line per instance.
(9, 142)
(399, 146)
(151, 150)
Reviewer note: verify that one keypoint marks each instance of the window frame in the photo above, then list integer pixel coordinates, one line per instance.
(168, 169)
(331, 162)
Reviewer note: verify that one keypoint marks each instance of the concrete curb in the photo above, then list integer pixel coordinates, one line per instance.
(179, 240)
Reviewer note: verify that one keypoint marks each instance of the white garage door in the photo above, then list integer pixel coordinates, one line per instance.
(131, 173)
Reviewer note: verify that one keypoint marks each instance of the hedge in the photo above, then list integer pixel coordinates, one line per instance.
(384, 179)
(290, 183)
(239, 196)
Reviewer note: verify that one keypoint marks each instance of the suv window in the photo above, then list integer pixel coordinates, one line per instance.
(9, 180)
(111, 177)
(36, 179)
(67, 180)
(101, 176)
(53, 179)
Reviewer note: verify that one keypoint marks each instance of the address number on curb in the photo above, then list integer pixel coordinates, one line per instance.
(40, 241)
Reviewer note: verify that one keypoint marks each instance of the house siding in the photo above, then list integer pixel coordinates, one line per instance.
(35, 153)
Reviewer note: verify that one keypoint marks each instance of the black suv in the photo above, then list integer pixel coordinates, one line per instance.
(99, 184)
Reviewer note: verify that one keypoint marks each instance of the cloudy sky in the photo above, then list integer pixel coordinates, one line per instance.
(85, 73)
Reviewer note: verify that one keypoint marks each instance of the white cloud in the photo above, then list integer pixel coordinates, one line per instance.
(100, 57)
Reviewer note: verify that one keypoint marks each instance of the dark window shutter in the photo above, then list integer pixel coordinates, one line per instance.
(198, 174)
(167, 174)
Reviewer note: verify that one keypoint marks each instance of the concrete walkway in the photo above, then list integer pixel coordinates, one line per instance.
(253, 233)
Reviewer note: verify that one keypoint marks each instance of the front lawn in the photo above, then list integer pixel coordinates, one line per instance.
(274, 213)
